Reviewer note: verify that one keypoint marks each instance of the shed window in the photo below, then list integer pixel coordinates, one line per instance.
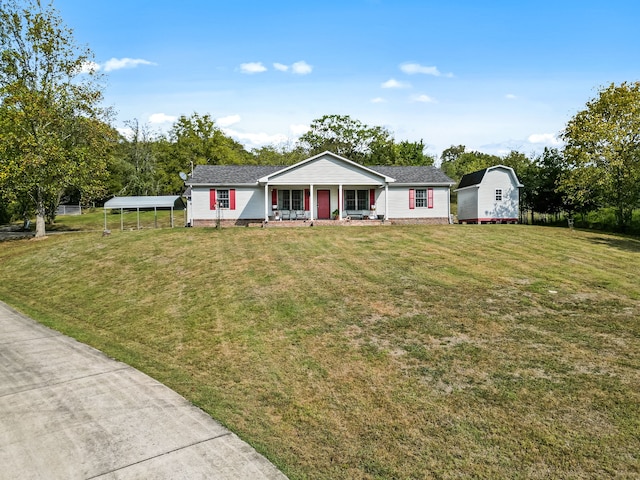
(498, 194)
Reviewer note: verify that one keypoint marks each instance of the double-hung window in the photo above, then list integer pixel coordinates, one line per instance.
(498, 194)
(356, 199)
(291, 199)
(223, 198)
(421, 197)
(297, 200)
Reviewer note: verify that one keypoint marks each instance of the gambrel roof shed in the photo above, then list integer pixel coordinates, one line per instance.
(490, 195)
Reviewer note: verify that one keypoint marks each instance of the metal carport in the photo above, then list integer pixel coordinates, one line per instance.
(172, 202)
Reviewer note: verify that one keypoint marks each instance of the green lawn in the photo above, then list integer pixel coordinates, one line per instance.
(495, 351)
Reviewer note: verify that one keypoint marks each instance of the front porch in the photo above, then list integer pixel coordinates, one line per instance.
(311, 203)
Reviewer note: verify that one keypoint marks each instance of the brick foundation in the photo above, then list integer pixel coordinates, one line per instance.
(419, 221)
(256, 222)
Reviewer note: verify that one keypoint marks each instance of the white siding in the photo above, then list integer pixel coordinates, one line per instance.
(249, 204)
(399, 203)
(327, 170)
(468, 204)
(488, 207)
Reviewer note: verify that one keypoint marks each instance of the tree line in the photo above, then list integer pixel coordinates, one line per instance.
(57, 141)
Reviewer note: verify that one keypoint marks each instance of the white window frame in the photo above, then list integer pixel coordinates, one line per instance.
(221, 199)
(420, 198)
(499, 195)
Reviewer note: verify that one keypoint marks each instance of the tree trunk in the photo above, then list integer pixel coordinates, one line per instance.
(40, 215)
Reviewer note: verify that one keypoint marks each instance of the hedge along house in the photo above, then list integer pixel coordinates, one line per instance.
(325, 187)
(490, 195)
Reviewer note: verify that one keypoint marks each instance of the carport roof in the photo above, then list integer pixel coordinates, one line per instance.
(163, 201)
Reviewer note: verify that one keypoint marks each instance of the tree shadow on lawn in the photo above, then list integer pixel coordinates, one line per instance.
(629, 244)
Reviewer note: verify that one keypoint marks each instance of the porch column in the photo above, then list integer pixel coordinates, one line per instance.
(386, 201)
(266, 202)
(340, 197)
(311, 203)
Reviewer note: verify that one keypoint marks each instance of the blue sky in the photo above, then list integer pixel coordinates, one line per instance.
(491, 75)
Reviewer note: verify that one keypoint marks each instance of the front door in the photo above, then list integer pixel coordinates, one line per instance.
(324, 204)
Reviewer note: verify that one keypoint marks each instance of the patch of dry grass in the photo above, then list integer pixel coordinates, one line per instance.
(403, 352)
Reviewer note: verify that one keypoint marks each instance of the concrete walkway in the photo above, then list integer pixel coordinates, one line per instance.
(67, 411)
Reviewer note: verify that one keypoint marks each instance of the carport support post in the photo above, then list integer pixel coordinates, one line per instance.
(138, 210)
(121, 220)
(105, 219)
(155, 217)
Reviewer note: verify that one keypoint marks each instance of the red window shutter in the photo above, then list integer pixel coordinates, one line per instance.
(274, 197)
(430, 198)
(307, 195)
(212, 199)
(232, 199)
(372, 197)
(412, 198)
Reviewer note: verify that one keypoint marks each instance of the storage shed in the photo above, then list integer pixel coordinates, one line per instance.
(490, 195)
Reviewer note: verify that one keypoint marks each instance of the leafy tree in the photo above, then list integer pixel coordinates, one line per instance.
(285, 154)
(139, 171)
(548, 169)
(602, 152)
(51, 131)
(450, 156)
(456, 161)
(195, 140)
(412, 153)
(349, 138)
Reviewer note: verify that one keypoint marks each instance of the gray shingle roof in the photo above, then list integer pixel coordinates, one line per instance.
(249, 174)
(414, 175)
(230, 174)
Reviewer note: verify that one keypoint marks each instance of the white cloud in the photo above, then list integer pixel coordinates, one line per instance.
(228, 120)
(120, 63)
(252, 67)
(299, 129)
(301, 68)
(378, 100)
(510, 96)
(281, 67)
(393, 83)
(161, 118)
(89, 67)
(544, 138)
(423, 99)
(256, 139)
(126, 132)
(415, 68)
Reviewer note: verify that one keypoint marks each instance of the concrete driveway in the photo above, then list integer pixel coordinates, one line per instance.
(67, 411)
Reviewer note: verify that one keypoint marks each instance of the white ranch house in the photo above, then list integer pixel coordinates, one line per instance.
(323, 188)
(490, 195)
